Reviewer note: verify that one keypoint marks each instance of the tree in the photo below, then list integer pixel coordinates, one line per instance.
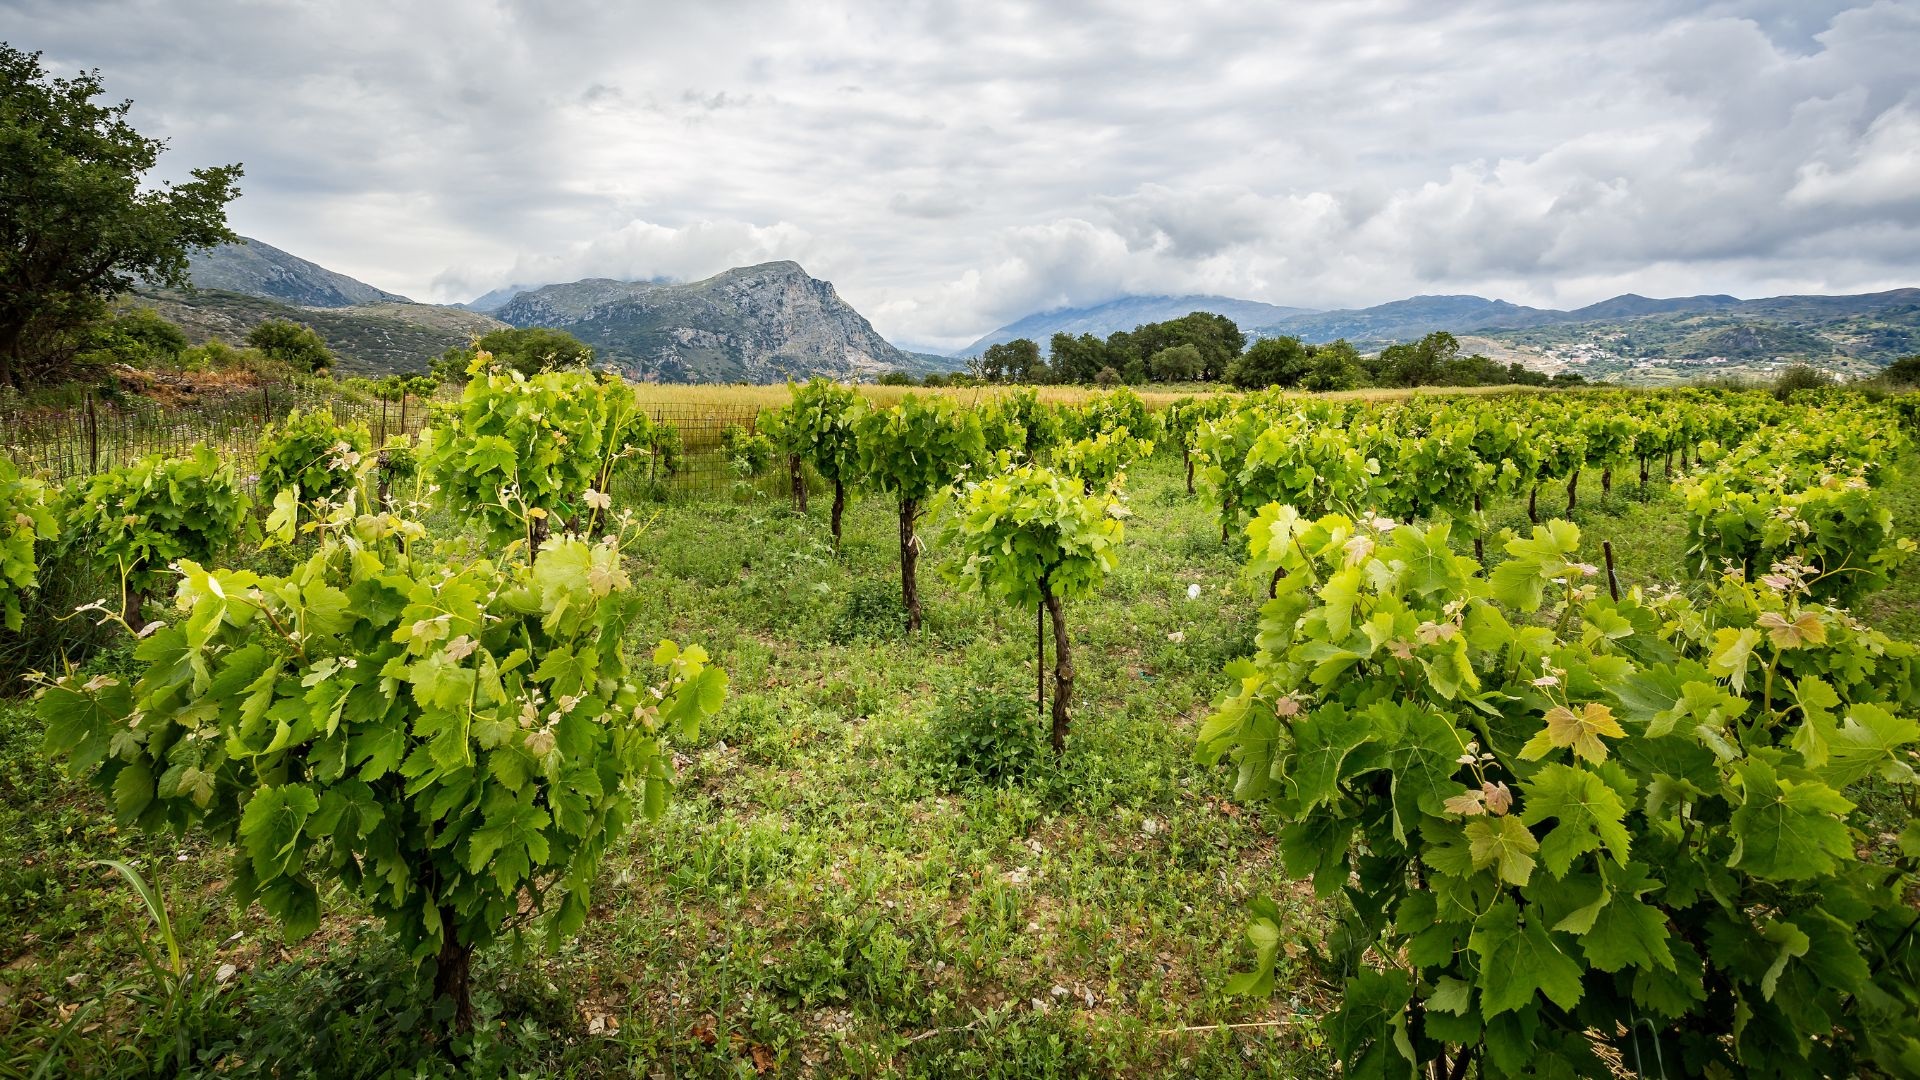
(1107, 377)
(1417, 364)
(1216, 337)
(1272, 361)
(894, 378)
(1032, 538)
(76, 229)
(533, 349)
(1176, 363)
(298, 346)
(1333, 366)
(1078, 359)
(1011, 361)
(913, 450)
(1903, 372)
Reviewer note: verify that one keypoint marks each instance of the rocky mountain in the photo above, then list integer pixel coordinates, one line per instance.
(253, 268)
(497, 299)
(758, 324)
(1126, 313)
(368, 339)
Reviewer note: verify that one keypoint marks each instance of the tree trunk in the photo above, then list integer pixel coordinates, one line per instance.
(1062, 667)
(1186, 458)
(1606, 481)
(1040, 658)
(797, 476)
(1573, 491)
(1645, 464)
(536, 536)
(452, 974)
(134, 610)
(1669, 464)
(1533, 505)
(839, 504)
(1479, 545)
(910, 563)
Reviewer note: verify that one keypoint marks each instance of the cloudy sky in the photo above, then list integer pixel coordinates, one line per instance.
(953, 166)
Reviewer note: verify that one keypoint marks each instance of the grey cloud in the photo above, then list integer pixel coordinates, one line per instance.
(953, 165)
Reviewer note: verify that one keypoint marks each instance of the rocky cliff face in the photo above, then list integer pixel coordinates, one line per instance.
(760, 324)
(256, 269)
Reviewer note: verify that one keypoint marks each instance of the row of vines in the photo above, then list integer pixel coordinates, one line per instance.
(1572, 829)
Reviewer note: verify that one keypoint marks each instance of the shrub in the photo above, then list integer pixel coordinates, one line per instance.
(310, 453)
(453, 742)
(139, 518)
(26, 519)
(1563, 820)
(912, 450)
(982, 737)
(1033, 538)
(1107, 377)
(298, 346)
(749, 453)
(871, 611)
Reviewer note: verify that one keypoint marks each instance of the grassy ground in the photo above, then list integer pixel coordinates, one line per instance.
(826, 896)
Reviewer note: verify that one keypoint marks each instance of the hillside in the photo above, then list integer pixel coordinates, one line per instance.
(253, 268)
(369, 339)
(1406, 320)
(756, 324)
(1126, 313)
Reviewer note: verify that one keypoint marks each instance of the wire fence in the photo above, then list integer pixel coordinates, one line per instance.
(68, 444)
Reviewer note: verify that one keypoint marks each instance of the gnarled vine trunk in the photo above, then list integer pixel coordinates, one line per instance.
(839, 504)
(453, 973)
(797, 476)
(1533, 504)
(1573, 490)
(910, 562)
(1062, 667)
(1186, 458)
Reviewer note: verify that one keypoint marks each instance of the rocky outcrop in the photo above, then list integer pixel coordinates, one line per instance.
(256, 269)
(757, 324)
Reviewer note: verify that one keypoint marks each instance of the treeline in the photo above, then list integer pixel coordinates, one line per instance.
(1207, 348)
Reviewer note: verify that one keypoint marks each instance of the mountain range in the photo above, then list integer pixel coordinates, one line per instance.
(774, 321)
(763, 323)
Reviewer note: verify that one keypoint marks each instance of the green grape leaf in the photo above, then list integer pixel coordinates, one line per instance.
(1590, 814)
(1517, 961)
(1785, 830)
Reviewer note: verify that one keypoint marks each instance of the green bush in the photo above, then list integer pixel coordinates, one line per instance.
(872, 611)
(1572, 830)
(311, 453)
(26, 520)
(982, 737)
(140, 518)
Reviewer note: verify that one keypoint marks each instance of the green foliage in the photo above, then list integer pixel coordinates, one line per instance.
(982, 737)
(1100, 462)
(1270, 361)
(1011, 361)
(311, 453)
(523, 453)
(1837, 531)
(895, 378)
(137, 337)
(26, 519)
(81, 225)
(1038, 425)
(1561, 818)
(298, 346)
(1176, 363)
(870, 611)
(530, 350)
(140, 518)
(1031, 531)
(748, 453)
(918, 446)
(455, 743)
(1113, 410)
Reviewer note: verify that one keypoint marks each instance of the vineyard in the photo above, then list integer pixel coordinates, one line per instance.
(1555, 734)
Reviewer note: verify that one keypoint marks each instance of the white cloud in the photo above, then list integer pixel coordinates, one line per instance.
(952, 166)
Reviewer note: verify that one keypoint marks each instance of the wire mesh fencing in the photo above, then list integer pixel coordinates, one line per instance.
(69, 444)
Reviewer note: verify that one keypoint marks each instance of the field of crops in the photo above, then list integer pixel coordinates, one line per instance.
(998, 735)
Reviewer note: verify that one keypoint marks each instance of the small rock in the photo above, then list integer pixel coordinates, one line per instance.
(225, 973)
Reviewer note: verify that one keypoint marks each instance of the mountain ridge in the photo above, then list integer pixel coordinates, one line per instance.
(762, 323)
(256, 268)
